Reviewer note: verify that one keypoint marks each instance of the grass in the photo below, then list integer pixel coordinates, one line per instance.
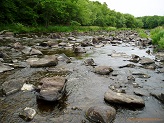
(20, 28)
(142, 33)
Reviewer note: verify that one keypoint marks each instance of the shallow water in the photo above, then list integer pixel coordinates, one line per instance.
(85, 89)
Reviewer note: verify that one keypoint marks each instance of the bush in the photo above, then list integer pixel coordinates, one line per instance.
(157, 36)
(75, 23)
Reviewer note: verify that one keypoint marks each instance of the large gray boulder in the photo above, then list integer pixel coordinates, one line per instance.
(46, 61)
(52, 88)
(100, 114)
(103, 70)
(121, 98)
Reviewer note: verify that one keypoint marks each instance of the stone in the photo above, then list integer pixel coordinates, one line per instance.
(4, 68)
(27, 114)
(35, 52)
(28, 87)
(121, 98)
(18, 45)
(89, 62)
(51, 88)
(26, 50)
(101, 114)
(46, 61)
(79, 50)
(12, 86)
(134, 58)
(128, 65)
(63, 57)
(158, 95)
(145, 61)
(159, 56)
(103, 70)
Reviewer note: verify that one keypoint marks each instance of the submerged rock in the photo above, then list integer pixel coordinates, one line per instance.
(52, 88)
(121, 98)
(27, 114)
(103, 70)
(101, 114)
(46, 61)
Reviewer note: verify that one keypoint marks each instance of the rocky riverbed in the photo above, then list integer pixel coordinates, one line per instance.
(99, 77)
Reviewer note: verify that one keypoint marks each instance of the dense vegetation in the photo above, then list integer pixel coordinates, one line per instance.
(157, 36)
(63, 12)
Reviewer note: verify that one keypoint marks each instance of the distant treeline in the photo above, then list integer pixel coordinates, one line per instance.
(70, 12)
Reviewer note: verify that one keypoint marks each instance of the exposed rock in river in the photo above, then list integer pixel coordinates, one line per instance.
(101, 114)
(52, 88)
(27, 114)
(121, 98)
(46, 61)
(103, 70)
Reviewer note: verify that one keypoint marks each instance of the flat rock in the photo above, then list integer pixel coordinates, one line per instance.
(121, 98)
(46, 61)
(4, 68)
(101, 114)
(103, 70)
(158, 95)
(12, 86)
(145, 61)
(52, 88)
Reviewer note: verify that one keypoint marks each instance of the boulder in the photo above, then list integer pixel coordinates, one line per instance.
(79, 50)
(27, 114)
(145, 61)
(103, 70)
(35, 52)
(121, 98)
(89, 62)
(4, 68)
(128, 65)
(159, 96)
(28, 87)
(12, 86)
(134, 58)
(52, 88)
(159, 56)
(100, 114)
(46, 61)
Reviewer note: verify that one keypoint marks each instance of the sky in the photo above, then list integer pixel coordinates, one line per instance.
(137, 8)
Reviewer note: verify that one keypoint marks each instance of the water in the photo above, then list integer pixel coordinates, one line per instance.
(85, 89)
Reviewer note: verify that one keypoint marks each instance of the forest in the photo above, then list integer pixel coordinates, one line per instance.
(70, 12)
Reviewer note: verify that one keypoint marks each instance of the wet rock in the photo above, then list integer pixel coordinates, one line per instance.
(62, 44)
(145, 61)
(159, 96)
(95, 41)
(89, 62)
(131, 78)
(141, 75)
(119, 54)
(116, 42)
(121, 98)
(128, 65)
(140, 92)
(71, 39)
(12, 86)
(150, 66)
(4, 68)
(99, 45)
(27, 114)
(26, 50)
(86, 44)
(103, 70)
(79, 50)
(18, 45)
(159, 56)
(52, 88)
(46, 61)
(134, 58)
(63, 57)
(35, 52)
(28, 87)
(101, 114)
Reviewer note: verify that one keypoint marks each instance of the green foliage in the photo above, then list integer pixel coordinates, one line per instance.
(157, 36)
(142, 33)
(75, 23)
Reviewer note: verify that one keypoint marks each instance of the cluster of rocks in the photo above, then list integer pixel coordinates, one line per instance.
(53, 88)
